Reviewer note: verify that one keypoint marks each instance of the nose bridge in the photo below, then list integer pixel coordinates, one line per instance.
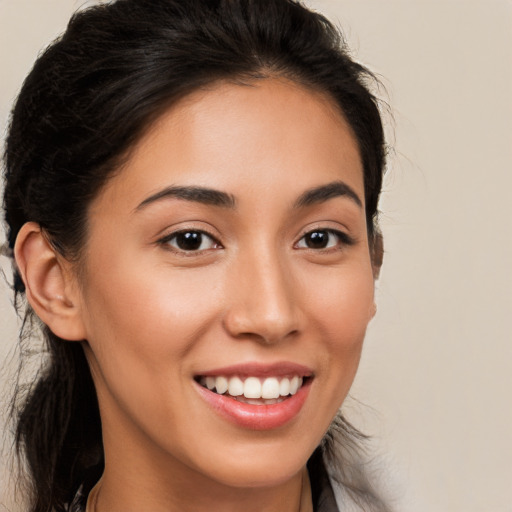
(263, 300)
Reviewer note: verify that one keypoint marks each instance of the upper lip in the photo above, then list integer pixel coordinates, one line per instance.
(254, 369)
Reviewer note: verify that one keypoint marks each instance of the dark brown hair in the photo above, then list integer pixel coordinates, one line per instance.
(88, 99)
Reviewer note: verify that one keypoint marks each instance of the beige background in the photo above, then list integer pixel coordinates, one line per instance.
(436, 375)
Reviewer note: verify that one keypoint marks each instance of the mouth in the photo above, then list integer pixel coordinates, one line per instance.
(254, 390)
(254, 396)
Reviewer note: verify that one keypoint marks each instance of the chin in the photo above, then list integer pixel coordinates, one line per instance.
(261, 467)
(250, 476)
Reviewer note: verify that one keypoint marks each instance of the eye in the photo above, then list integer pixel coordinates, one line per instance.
(190, 241)
(323, 239)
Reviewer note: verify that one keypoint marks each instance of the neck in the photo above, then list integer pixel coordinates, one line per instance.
(114, 495)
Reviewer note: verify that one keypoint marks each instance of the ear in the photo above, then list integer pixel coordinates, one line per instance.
(50, 284)
(377, 253)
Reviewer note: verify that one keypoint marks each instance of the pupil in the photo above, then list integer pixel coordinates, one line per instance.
(317, 240)
(189, 241)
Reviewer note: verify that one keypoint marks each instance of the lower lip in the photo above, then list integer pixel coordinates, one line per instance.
(257, 417)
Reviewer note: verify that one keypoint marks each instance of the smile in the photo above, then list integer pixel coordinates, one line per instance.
(256, 396)
(253, 390)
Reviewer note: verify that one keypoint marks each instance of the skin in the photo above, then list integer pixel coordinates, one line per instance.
(154, 316)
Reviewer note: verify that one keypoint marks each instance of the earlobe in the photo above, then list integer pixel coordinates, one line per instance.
(49, 283)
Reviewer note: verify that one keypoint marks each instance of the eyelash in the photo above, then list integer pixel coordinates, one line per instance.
(166, 241)
(342, 240)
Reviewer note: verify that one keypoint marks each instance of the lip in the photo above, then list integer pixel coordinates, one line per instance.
(280, 369)
(258, 417)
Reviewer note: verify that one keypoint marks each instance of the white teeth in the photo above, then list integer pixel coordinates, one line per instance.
(236, 387)
(221, 385)
(252, 401)
(259, 401)
(284, 387)
(294, 385)
(270, 388)
(252, 387)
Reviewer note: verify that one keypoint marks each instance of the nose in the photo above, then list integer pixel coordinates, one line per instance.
(263, 300)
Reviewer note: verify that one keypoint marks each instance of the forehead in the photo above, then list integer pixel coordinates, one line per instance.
(270, 135)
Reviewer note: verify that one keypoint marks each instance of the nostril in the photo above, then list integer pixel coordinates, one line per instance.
(246, 323)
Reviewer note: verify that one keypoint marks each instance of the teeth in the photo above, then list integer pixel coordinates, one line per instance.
(254, 389)
(221, 385)
(270, 388)
(284, 387)
(294, 385)
(210, 382)
(236, 387)
(259, 401)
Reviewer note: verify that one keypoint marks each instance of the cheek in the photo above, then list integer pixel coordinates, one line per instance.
(342, 302)
(143, 328)
(147, 318)
(341, 309)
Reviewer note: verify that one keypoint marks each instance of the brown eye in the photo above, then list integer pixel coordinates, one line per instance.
(317, 239)
(323, 239)
(189, 241)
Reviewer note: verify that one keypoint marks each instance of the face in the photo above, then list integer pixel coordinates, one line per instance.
(227, 285)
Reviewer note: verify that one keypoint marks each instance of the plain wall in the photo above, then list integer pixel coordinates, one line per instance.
(436, 374)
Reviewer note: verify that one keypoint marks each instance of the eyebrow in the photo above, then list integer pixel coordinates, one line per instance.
(325, 192)
(208, 196)
(213, 197)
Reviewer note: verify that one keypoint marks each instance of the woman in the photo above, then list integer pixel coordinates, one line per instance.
(191, 200)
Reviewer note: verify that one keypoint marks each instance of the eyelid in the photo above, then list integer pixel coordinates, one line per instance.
(344, 238)
(164, 241)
